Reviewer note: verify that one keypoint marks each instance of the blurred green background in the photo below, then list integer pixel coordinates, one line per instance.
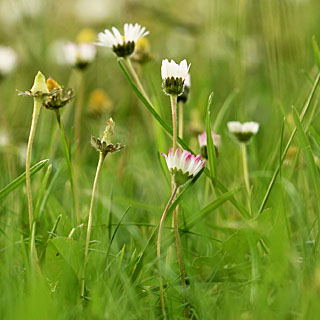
(256, 55)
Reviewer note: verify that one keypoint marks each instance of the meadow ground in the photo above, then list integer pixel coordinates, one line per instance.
(248, 223)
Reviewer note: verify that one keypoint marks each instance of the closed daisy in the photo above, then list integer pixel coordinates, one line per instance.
(122, 45)
(243, 131)
(174, 76)
(79, 55)
(183, 165)
(202, 138)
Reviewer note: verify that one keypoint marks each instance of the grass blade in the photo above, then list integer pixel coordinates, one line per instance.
(22, 178)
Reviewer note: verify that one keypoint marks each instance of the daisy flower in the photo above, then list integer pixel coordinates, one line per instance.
(79, 55)
(243, 131)
(8, 60)
(202, 138)
(174, 76)
(183, 165)
(122, 45)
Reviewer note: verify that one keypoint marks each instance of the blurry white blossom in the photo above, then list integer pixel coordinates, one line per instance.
(8, 60)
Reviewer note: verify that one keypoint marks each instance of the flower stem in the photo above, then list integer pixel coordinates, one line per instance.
(99, 166)
(246, 173)
(180, 119)
(173, 101)
(252, 244)
(136, 78)
(74, 187)
(35, 116)
(174, 191)
(78, 112)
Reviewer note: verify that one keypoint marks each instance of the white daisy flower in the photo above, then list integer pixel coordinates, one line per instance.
(202, 138)
(183, 165)
(79, 55)
(174, 76)
(122, 46)
(243, 131)
(8, 60)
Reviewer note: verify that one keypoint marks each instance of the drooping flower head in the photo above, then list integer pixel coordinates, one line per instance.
(183, 165)
(8, 60)
(174, 76)
(185, 94)
(122, 46)
(243, 131)
(202, 138)
(79, 55)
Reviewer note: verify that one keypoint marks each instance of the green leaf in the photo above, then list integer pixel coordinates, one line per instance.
(307, 152)
(22, 178)
(316, 51)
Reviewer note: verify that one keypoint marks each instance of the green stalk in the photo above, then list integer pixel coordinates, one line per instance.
(252, 245)
(164, 214)
(90, 218)
(180, 119)
(78, 112)
(74, 187)
(35, 115)
(173, 101)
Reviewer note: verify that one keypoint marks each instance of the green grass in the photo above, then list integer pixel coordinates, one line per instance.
(260, 60)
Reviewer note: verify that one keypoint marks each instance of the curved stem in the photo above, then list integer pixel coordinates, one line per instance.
(173, 101)
(136, 78)
(35, 116)
(180, 119)
(100, 163)
(159, 248)
(74, 186)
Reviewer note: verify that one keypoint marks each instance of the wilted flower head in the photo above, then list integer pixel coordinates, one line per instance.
(202, 138)
(58, 96)
(104, 145)
(79, 55)
(39, 89)
(122, 46)
(243, 131)
(174, 76)
(183, 165)
(8, 60)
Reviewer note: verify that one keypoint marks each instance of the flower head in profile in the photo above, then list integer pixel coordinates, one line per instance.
(122, 45)
(183, 165)
(79, 55)
(105, 145)
(99, 103)
(174, 76)
(202, 138)
(8, 60)
(58, 96)
(243, 131)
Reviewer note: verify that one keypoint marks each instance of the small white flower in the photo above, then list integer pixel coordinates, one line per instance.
(174, 76)
(243, 131)
(183, 165)
(202, 138)
(79, 55)
(187, 82)
(122, 46)
(8, 60)
(174, 70)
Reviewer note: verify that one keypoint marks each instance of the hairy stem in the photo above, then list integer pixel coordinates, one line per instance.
(180, 119)
(159, 248)
(90, 218)
(173, 101)
(246, 173)
(35, 116)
